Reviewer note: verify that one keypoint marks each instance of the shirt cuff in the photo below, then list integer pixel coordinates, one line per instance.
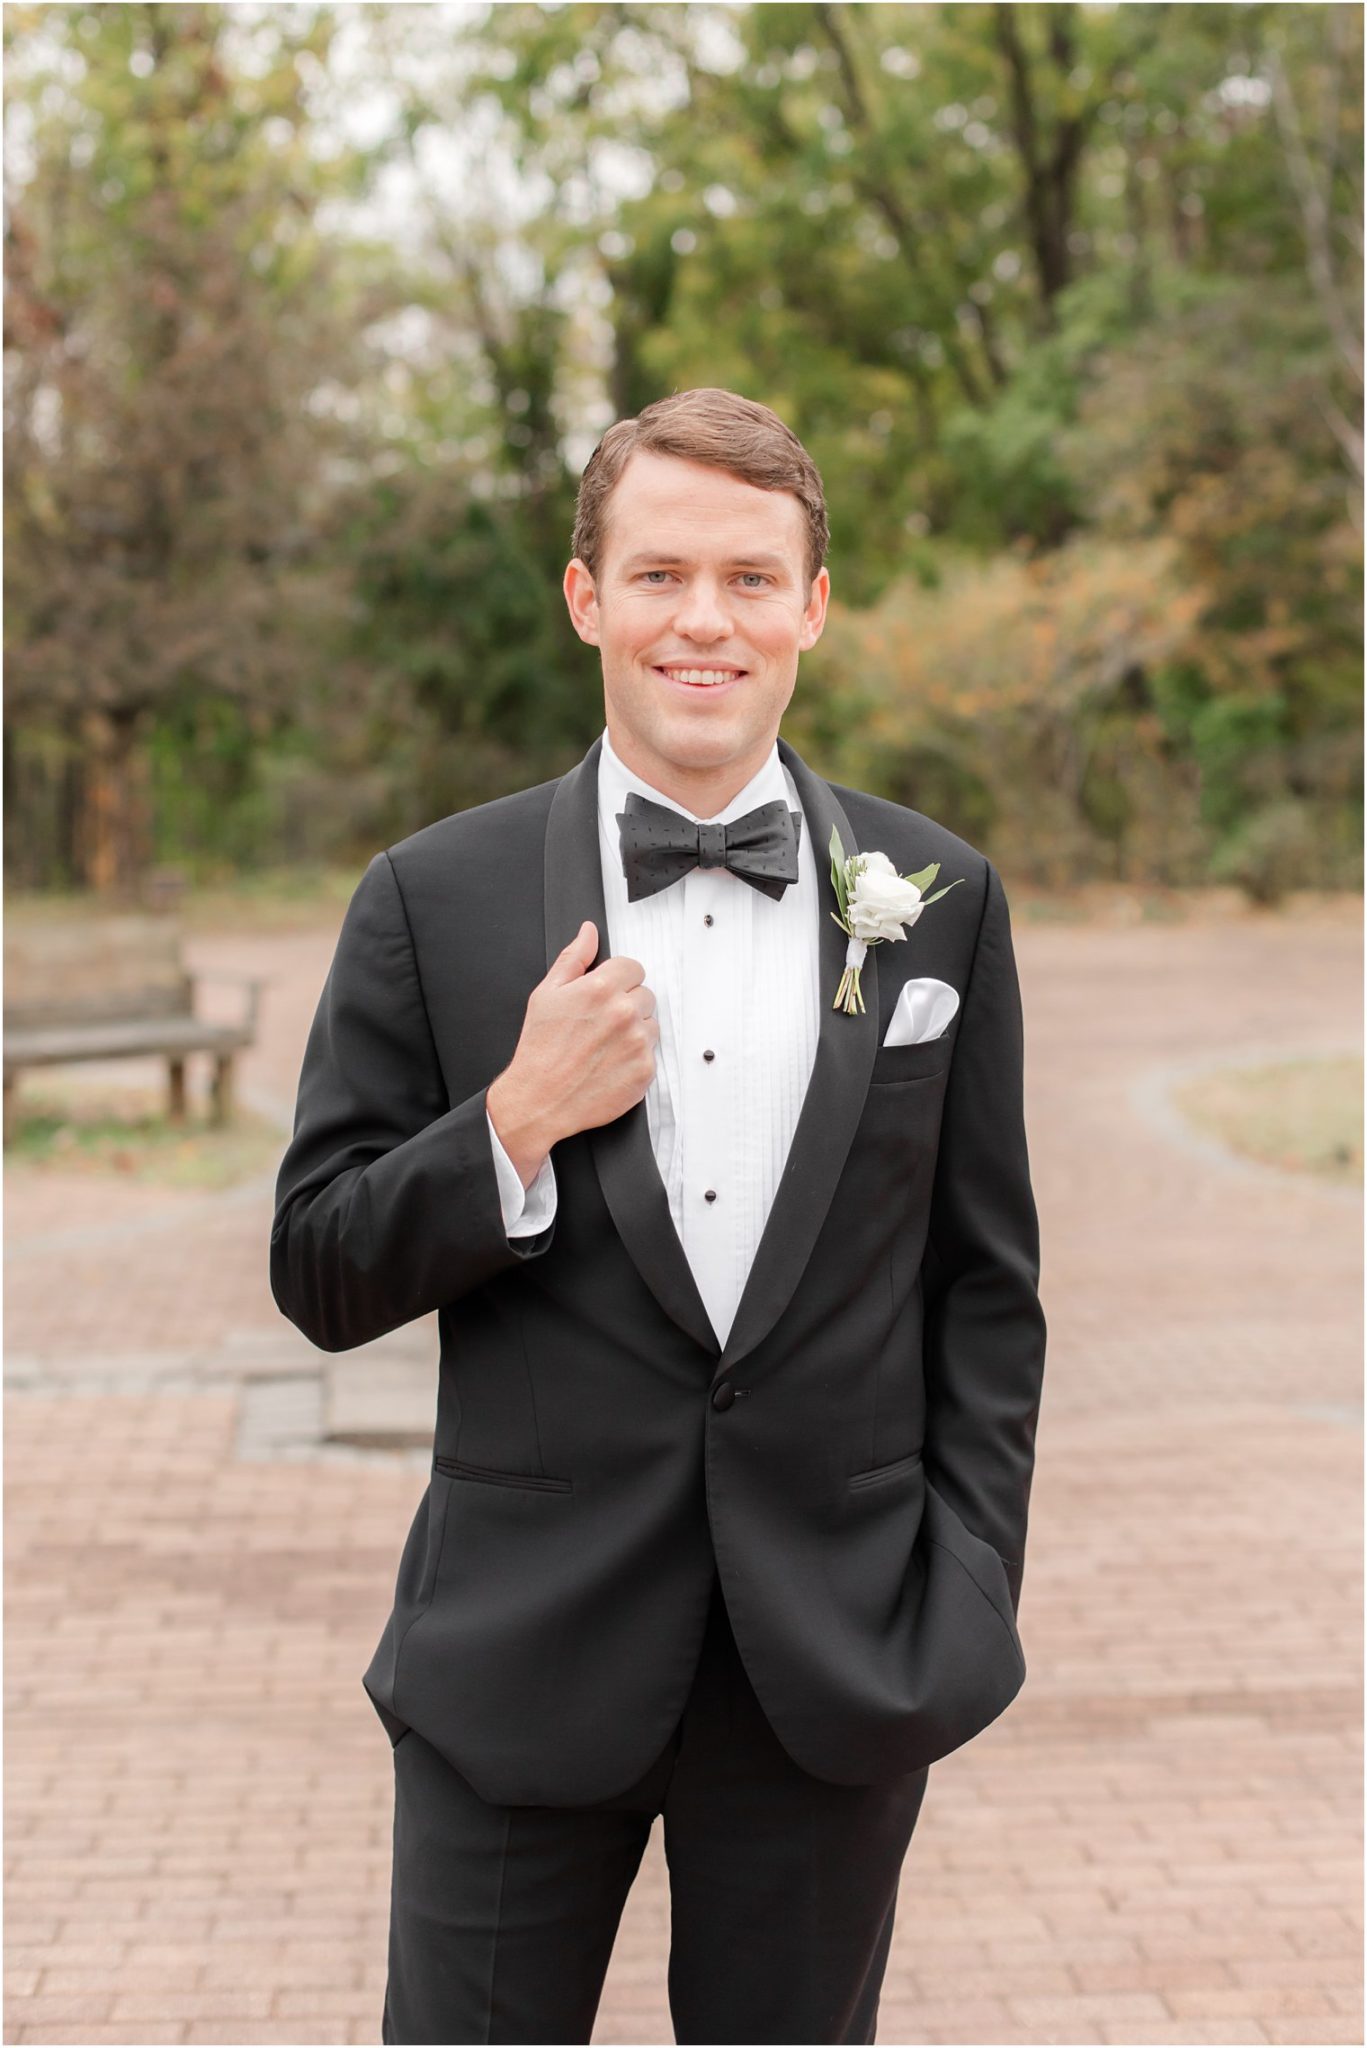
(526, 1211)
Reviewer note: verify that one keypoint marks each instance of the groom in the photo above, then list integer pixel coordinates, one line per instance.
(741, 1346)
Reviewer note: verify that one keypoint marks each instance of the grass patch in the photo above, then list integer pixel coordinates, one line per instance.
(125, 1134)
(274, 900)
(277, 900)
(1302, 1115)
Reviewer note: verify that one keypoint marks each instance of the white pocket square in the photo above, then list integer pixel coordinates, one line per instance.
(925, 1009)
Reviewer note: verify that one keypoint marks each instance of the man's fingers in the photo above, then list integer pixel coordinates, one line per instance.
(573, 960)
(619, 971)
(572, 963)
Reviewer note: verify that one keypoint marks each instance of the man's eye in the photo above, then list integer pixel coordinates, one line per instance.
(753, 575)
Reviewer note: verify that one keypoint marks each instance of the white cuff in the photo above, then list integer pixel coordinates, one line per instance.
(526, 1211)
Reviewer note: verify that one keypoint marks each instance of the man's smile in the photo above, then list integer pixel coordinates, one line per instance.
(700, 677)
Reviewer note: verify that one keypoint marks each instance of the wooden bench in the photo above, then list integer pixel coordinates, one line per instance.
(116, 988)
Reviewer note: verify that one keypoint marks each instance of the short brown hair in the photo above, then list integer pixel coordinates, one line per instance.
(716, 427)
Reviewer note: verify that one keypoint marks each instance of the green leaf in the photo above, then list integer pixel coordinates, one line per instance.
(924, 876)
(941, 892)
(838, 871)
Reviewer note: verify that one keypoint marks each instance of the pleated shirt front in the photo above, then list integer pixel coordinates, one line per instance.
(735, 976)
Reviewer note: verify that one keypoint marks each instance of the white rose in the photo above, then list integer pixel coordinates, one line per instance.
(881, 903)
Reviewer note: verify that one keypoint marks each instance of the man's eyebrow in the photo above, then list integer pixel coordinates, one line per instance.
(655, 561)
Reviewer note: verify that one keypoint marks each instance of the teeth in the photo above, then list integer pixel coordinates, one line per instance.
(700, 675)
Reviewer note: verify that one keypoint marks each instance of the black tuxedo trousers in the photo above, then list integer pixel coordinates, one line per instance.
(854, 1461)
(783, 1887)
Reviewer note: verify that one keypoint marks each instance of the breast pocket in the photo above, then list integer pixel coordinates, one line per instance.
(910, 1062)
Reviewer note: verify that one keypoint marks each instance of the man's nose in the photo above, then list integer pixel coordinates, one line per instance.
(703, 613)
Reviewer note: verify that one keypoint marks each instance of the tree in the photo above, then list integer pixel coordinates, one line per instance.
(168, 315)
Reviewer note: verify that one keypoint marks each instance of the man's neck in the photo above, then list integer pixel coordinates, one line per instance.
(702, 791)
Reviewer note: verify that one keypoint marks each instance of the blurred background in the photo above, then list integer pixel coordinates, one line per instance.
(313, 316)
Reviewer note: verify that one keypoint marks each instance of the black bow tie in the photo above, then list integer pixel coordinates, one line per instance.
(659, 845)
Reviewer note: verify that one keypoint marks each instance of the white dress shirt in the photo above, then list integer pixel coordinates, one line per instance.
(735, 978)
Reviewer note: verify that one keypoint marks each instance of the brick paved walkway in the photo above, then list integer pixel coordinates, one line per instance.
(1159, 1841)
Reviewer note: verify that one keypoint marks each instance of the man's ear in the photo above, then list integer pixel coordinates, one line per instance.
(582, 598)
(814, 616)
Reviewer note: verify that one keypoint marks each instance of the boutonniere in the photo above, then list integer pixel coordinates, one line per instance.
(875, 903)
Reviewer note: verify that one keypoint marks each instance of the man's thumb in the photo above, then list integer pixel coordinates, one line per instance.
(576, 958)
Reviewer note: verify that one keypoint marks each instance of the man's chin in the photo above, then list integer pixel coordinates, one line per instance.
(700, 741)
(723, 740)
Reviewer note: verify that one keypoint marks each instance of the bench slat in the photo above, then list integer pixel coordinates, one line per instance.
(117, 1041)
(107, 989)
(92, 970)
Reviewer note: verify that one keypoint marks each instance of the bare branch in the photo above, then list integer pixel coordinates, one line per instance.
(880, 194)
(1314, 213)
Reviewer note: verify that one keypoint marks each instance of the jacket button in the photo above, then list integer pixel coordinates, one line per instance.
(723, 1394)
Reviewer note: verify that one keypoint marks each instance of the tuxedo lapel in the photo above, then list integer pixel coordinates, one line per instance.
(835, 1096)
(625, 1161)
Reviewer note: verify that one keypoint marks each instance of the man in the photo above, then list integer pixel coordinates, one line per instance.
(741, 1346)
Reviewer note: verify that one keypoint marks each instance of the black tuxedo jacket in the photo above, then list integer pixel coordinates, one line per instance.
(857, 1458)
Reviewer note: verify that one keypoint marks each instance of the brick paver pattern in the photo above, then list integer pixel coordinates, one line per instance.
(1159, 1842)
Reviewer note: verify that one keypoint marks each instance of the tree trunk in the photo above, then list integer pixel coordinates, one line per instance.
(113, 842)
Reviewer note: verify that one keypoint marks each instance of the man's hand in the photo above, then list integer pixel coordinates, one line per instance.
(585, 1056)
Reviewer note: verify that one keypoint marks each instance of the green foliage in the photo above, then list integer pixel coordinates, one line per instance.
(1009, 703)
(1064, 302)
(459, 606)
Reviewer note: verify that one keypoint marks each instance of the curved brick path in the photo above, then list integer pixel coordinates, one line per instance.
(1158, 1842)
